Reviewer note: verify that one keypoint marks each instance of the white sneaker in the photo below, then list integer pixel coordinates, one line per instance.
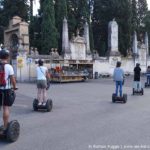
(44, 103)
(39, 104)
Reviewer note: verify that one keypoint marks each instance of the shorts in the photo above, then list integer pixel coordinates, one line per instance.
(5, 97)
(41, 84)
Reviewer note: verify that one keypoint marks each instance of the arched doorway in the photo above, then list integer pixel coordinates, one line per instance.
(14, 43)
(16, 39)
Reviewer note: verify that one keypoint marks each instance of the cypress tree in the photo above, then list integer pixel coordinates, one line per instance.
(134, 19)
(83, 13)
(79, 12)
(60, 13)
(142, 11)
(72, 6)
(100, 18)
(105, 11)
(15, 8)
(10, 8)
(48, 30)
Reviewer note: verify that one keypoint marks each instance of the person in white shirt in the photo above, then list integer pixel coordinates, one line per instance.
(42, 75)
(5, 90)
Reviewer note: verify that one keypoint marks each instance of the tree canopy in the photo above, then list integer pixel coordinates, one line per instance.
(46, 27)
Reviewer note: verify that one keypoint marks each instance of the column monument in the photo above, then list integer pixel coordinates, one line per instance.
(65, 40)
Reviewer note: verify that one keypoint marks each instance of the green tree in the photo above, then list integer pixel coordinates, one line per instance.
(15, 8)
(72, 6)
(35, 32)
(100, 18)
(142, 11)
(60, 13)
(49, 33)
(104, 11)
(79, 12)
(83, 13)
(10, 8)
(134, 19)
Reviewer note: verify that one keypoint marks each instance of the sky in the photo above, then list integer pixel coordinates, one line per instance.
(148, 1)
(36, 6)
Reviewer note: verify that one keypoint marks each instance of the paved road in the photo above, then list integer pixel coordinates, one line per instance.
(83, 118)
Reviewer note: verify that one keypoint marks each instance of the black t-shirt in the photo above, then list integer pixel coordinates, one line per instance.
(137, 71)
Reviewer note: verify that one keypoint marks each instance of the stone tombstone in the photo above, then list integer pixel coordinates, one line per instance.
(78, 48)
(142, 55)
(87, 38)
(113, 38)
(65, 38)
(147, 43)
(135, 43)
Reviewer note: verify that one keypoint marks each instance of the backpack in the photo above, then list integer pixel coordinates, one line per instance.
(2, 75)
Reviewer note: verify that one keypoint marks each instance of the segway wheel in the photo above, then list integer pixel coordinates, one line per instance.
(145, 85)
(35, 105)
(133, 91)
(142, 91)
(113, 97)
(13, 131)
(124, 98)
(49, 105)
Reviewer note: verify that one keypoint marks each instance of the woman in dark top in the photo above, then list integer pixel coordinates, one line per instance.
(137, 72)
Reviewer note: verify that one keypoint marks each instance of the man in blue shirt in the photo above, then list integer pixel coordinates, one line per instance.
(118, 77)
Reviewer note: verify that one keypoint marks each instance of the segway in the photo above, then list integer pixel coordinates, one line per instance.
(12, 131)
(137, 88)
(122, 99)
(147, 85)
(48, 105)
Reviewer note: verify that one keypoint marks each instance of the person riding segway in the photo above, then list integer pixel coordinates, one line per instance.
(137, 86)
(118, 77)
(9, 130)
(42, 78)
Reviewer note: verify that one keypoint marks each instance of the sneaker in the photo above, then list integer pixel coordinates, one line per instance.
(2, 130)
(44, 103)
(40, 103)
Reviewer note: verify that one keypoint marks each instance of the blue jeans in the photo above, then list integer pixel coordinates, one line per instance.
(119, 86)
(148, 79)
